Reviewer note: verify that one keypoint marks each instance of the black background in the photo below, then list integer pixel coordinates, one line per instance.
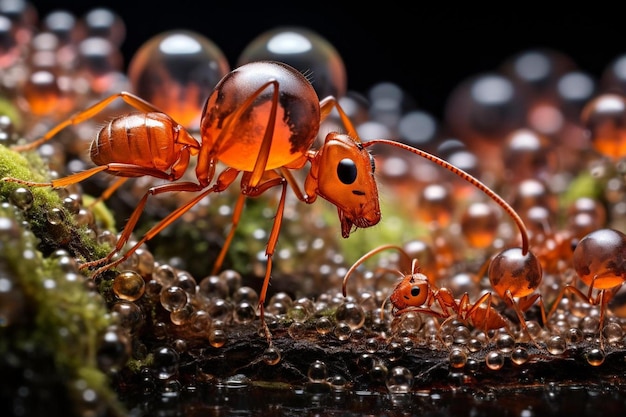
(426, 48)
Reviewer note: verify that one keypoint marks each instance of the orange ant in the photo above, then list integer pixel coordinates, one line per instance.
(261, 120)
(414, 292)
(599, 260)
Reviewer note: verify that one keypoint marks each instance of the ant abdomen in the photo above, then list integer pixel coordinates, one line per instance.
(238, 113)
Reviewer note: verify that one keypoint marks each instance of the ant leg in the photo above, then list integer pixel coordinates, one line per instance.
(224, 180)
(520, 316)
(134, 218)
(327, 105)
(567, 289)
(234, 223)
(272, 240)
(61, 182)
(131, 99)
(108, 192)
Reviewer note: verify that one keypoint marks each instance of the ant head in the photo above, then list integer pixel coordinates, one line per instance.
(345, 177)
(411, 291)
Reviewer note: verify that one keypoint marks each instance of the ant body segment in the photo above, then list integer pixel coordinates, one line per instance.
(260, 121)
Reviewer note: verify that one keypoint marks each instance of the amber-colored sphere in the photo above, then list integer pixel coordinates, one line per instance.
(176, 71)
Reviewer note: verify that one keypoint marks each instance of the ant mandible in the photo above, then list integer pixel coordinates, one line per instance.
(414, 292)
(261, 120)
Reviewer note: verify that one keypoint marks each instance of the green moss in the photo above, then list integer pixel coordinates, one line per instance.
(8, 108)
(60, 319)
(64, 235)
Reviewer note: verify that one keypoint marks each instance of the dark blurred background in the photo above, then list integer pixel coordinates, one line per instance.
(427, 48)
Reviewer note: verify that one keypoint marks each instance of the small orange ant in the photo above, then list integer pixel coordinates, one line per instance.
(261, 120)
(414, 292)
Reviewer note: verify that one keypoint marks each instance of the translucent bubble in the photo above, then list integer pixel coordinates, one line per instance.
(318, 371)
(165, 274)
(245, 312)
(494, 360)
(297, 330)
(55, 216)
(245, 293)
(129, 285)
(480, 222)
(350, 313)
(324, 325)
(372, 345)
(105, 23)
(145, 261)
(520, 355)
(298, 313)
(182, 315)
(174, 298)
(232, 278)
(461, 335)
(187, 282)
(613, 332)
(338, 382)
(176, 71)
(22, 198)
(200, 321)
(129, 315)
(595, 356)
(220, 309)
(306, 51)
(505, 342)
(399, 380)
(590, 326)
(217, 337)
(379, 372)
(436, 204)
(213, 286)
(574, 335)
(604, 118)
(153, 289)
(165, 362)
(556, 345)
(271, 355)
(457, 358)
(342, 331)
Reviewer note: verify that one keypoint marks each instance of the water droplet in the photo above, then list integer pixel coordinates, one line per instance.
(318, 371)
(494, 360)
(271, 355)
(22, 198)
(342, 331)
(595, 356)
(129, 285)
(399, 380)
(323, 325)
(457, 358)
(556, 345)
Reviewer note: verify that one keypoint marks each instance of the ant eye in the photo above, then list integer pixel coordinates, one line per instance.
(346, 171)
(415, 291)
(372, 163)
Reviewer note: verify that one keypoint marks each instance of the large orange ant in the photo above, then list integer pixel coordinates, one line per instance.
(415, 293)
(261, 120)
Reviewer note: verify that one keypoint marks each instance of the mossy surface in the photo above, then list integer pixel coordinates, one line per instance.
(52, 323)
